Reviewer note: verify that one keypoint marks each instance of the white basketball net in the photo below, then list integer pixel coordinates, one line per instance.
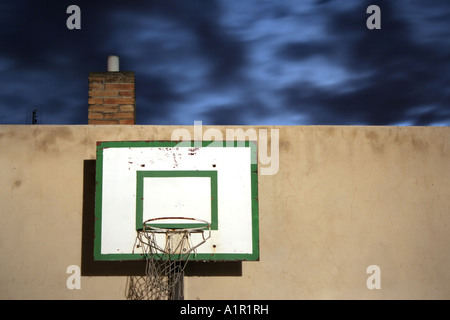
(166, 252)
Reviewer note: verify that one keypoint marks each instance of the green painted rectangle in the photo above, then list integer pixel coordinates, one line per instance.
(175, 174)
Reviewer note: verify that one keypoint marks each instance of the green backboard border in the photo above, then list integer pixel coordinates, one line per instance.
(101, 145)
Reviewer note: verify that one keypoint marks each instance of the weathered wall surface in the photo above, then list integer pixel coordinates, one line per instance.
(344, 198)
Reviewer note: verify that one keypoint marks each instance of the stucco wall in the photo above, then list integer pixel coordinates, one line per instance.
(344, 198)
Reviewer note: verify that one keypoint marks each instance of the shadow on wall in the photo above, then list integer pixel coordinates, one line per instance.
(91, 267)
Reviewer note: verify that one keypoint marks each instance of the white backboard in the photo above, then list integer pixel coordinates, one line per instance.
(206, 180)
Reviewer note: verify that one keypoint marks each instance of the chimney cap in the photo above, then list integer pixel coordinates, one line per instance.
(113, 63)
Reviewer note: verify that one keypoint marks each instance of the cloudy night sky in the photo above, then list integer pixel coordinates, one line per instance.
(230, 62)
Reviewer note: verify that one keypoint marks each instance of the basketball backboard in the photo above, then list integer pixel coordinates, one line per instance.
(213, 181)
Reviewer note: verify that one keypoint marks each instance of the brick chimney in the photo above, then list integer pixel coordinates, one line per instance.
(112, 98)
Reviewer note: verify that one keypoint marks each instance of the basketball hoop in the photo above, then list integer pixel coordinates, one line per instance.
(166, 249)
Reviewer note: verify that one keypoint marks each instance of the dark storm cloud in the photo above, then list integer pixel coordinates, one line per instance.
(405, 78)
(178, 50)
(241, 113)
(225, 53)
(35, 35)
(298, 51)
(223, 62)
(156, 97)
(225, 115)
(47, 64)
